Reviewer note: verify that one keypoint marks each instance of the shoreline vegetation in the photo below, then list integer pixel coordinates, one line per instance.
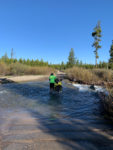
(22, 70)
(80, 75)
(17, 72)
(102, 77)
(16, 69)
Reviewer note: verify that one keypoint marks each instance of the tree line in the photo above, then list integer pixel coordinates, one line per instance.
(96, 34)
(72, 61)
(29, 62)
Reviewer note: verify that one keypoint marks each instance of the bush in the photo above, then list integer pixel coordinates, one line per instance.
(4, 69)
(20, 69)
(39, 70)
(103, 74)
(82, 74)
(90, 75)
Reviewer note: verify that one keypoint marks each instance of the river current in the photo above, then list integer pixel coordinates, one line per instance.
(72, 119)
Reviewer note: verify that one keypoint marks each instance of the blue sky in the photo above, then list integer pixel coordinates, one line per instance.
(48, 29)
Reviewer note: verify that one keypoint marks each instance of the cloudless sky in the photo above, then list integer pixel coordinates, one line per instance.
(48, 29)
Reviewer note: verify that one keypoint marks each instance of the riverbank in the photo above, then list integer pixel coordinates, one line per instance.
(106, 97)
(24, 78)
(92, 77)
(107, 102)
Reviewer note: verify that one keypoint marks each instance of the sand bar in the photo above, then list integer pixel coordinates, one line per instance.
(23, 78)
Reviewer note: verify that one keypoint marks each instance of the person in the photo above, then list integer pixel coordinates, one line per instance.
(52, 78)
(58, 85)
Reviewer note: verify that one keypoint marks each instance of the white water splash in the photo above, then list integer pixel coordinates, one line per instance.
(82, 87)
(2, 92)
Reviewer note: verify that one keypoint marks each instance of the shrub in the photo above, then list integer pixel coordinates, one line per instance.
(82, 74)
(20, 69)
(39, 70)
(17, 69)
(4, 69)
(90, 75)
(103, 74)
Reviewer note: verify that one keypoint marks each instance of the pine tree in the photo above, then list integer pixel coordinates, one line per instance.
(28, 62)
(32, 62)
(12, 53)
(20, 60)
(77, 62)
(62, 66)
(97, 35)
(71, 58)
(111, 55)
(5, 57)
(15, 60)
(81, 63)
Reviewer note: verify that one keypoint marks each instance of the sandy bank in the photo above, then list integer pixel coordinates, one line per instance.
(25, 78)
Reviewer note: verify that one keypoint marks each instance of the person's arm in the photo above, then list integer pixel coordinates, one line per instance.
(49, 78)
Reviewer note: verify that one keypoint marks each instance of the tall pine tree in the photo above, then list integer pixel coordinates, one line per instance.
(71, 58)
(97, 35)
(111, 56)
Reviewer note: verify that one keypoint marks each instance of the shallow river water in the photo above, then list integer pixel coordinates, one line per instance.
(33, 118)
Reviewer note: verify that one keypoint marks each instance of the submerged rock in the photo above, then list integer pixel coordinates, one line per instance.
(5, 80)
(92, 87)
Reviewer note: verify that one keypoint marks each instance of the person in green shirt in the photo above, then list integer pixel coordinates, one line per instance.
(52, 78)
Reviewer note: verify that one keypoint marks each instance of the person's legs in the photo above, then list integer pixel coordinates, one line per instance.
(51, 86)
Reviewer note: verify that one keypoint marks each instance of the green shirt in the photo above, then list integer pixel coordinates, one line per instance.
(52, 79)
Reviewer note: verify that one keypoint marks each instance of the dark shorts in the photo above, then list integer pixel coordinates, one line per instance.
(51, 86)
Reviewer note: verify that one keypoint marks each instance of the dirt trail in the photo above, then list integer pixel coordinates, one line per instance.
(21, 131)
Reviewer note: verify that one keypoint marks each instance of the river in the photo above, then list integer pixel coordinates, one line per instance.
(32, 118)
